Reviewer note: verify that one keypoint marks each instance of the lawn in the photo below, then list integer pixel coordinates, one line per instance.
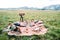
(51, 19)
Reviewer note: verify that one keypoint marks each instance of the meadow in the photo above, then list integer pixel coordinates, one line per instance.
(51, 19)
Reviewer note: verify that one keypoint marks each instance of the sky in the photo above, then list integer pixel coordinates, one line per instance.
(28, 3)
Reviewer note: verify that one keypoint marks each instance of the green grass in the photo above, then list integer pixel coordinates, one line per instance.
(51, 20)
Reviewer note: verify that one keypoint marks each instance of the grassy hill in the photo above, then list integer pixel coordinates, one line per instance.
(50, 18)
